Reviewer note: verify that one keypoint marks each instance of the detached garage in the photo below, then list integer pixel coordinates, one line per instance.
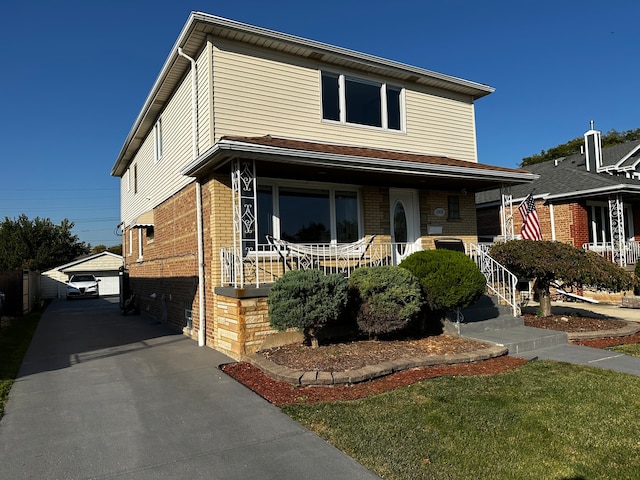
(105, 266)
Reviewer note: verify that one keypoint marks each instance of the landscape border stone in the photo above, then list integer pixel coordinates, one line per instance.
(369, 372)
(631, 328)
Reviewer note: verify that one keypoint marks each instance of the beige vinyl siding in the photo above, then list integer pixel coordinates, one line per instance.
(259, 92)
(157, 181)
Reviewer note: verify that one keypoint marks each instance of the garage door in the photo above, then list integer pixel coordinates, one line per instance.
(109, 285)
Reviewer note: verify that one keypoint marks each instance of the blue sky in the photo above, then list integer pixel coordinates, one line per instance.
(75, 75)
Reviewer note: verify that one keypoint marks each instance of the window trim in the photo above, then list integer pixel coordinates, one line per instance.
(330, 187)
(342, 101)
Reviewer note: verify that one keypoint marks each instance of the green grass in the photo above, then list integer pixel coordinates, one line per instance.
(630, 349)
(14, 341)
(545, 420)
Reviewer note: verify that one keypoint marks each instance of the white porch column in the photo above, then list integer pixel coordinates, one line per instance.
(616, 223)
(245, 219)
(506, 213)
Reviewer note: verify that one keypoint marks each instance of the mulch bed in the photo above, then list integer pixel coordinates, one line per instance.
(281, 393)
(350, 355)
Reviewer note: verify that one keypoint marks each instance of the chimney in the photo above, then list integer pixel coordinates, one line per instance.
(593, 149)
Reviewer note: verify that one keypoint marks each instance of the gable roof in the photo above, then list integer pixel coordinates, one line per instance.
(112, 256)
(568, 178)
(199, 25)
(345, 157)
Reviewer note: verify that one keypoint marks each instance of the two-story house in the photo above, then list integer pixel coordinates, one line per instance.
(257, 151)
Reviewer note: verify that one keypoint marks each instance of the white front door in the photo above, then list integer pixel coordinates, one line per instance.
(405, 223)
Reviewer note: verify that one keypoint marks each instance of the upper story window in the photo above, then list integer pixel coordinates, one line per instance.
(157, 141)
(357, 101)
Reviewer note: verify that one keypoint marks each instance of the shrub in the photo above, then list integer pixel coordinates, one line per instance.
(449, 279)
(385, 299)
(636, 284)
(306, 300)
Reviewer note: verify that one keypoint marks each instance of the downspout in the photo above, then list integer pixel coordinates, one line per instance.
(202, 340)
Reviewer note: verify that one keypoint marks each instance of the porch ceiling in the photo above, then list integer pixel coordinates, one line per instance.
(285, 158)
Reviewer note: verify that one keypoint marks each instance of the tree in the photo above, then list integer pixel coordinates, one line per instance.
(37, 244)
(572, 147)
(546, 262)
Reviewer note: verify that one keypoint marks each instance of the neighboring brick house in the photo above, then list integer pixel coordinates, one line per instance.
(256, 149)
(589, 200)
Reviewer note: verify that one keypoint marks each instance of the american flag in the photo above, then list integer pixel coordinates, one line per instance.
(531, 224)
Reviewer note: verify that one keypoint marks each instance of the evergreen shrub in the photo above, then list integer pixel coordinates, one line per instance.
(306, 300)
(385, 299)
(449, 279)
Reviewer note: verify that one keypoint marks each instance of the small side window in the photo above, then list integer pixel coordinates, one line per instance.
(157, 141)
(454, 208)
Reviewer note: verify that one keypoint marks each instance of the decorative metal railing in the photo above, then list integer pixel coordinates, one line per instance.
(268, 263)
(500, 281)
(609, 251)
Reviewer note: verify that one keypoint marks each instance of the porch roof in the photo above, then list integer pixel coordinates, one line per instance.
(327, 156)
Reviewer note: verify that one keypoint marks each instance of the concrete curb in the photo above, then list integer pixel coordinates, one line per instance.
(370, 372)
(630, 329)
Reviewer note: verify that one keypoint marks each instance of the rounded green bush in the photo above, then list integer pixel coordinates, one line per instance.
(636, 283)
(306, 300)
(385, 299)
(449, 279)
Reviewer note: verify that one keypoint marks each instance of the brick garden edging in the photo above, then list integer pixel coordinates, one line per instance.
(314, 377)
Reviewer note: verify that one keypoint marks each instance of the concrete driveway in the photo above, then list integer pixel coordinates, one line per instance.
(105, 396)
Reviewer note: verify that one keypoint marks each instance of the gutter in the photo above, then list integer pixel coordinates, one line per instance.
(202, 316)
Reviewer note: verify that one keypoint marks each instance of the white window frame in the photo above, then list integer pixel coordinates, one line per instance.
(342, 78)
(139, 244)
(331, 188)
(604, 218)
(130, 241)
(157, 141)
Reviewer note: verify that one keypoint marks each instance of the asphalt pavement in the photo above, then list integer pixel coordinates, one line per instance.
(103, 396)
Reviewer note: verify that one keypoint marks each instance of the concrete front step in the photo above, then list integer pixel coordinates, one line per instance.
(519, 339)
(489, 322)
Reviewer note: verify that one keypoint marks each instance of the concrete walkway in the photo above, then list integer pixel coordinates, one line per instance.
(104, 396)
(580, 355)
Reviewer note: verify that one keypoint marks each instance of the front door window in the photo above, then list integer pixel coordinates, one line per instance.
(400, 227)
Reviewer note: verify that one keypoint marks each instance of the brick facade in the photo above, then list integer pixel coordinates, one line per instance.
(166, 277)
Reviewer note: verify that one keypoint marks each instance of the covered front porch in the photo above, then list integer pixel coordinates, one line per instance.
(301, 205)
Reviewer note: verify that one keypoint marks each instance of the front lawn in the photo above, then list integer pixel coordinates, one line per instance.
(629, 349)
(544, 420)
(14, 341)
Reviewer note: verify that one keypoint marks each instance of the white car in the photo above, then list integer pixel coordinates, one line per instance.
(83, 285)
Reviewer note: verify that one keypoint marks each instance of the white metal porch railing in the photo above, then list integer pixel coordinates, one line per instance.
(500, 281)
(607, 250)
(270, 261)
